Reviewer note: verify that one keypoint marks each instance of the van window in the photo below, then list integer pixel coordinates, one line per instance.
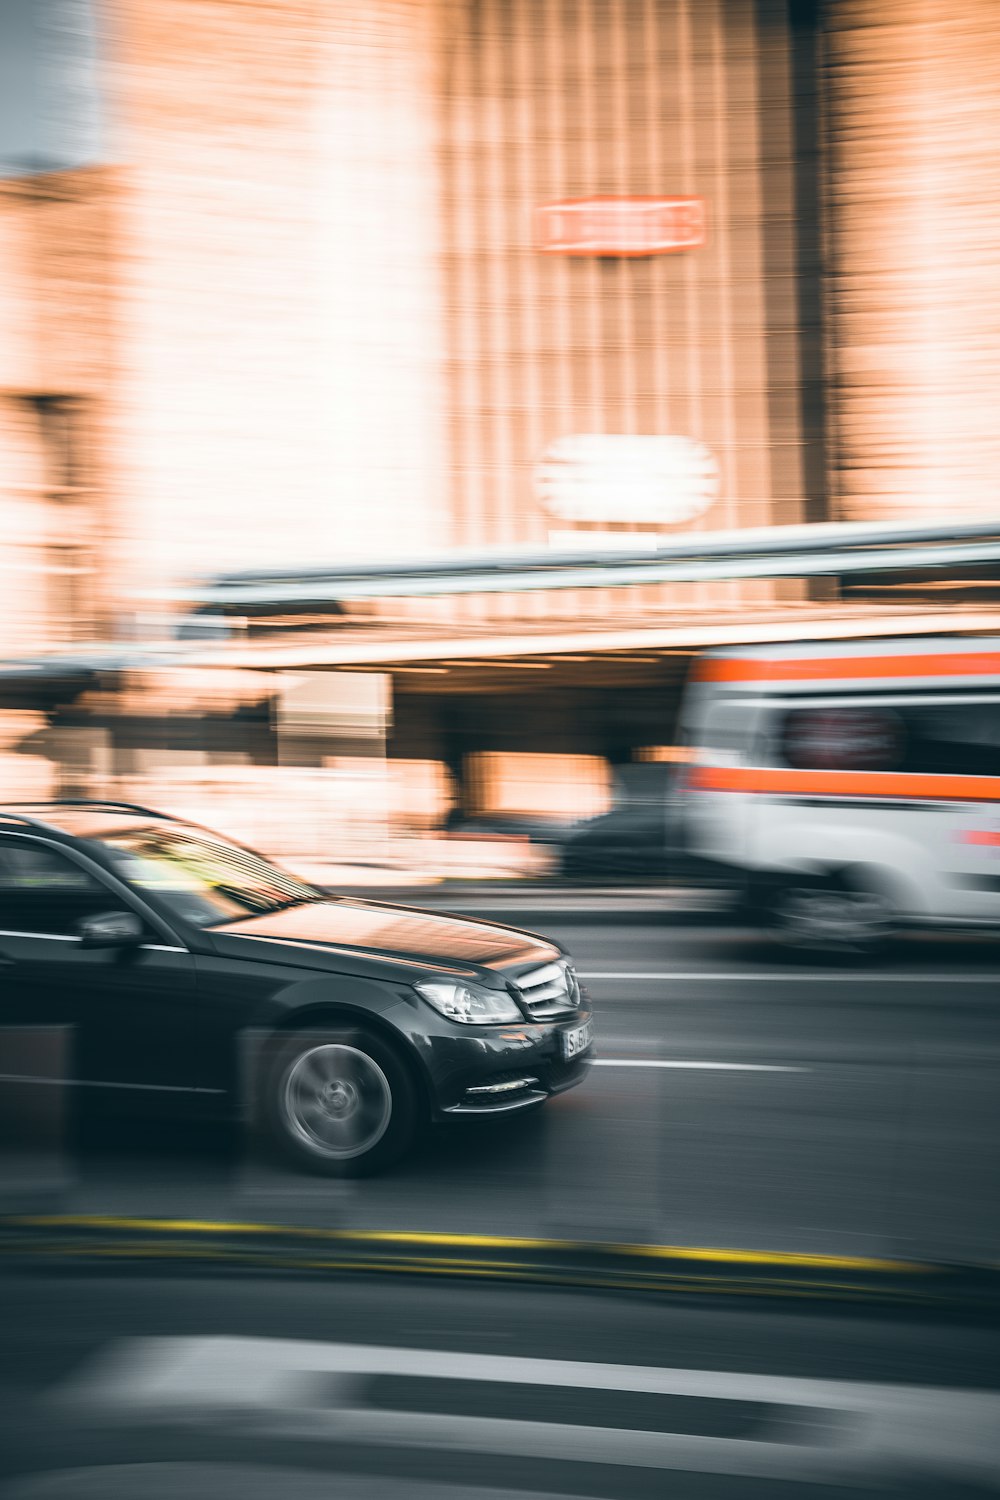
(958, 739)
(725, 731)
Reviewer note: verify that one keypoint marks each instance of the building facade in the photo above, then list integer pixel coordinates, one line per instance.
(559, 350)
(58, 450)
(914, 270)
(340, 327)
(369, 278)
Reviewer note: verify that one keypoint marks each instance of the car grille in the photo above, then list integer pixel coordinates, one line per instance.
(548, 992)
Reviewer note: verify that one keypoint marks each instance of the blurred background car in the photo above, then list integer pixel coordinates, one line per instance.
(628, 843)
(641, 839)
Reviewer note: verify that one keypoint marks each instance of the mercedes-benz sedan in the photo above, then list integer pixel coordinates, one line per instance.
(179, 967)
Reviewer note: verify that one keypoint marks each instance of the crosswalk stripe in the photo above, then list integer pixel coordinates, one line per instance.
(315, 1390)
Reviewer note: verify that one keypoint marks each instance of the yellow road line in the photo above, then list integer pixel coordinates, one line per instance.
(431, 1240)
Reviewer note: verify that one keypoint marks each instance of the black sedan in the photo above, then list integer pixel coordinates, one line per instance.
(149, 960)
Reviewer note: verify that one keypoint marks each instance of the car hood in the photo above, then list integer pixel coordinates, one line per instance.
(323, 933)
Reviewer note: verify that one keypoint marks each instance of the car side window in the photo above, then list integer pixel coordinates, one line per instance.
(43, 891)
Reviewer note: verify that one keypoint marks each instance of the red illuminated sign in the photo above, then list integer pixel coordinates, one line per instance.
(620, 226)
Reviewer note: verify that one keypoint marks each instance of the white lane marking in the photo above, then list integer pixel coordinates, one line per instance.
(803, 974)
(656, 1062)
(313, 1390)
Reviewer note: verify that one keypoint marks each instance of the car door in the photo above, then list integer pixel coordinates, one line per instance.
(130, 1013)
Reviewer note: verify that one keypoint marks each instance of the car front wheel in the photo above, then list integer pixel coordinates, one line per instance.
(340, 1102)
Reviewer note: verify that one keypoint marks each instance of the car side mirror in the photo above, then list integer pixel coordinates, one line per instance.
(110, 929)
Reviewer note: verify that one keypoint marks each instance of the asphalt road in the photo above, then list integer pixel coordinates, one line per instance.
(130, 1386)
(737, 1100)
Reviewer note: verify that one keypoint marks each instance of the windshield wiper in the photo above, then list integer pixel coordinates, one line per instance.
(266, 911)
(296, 901)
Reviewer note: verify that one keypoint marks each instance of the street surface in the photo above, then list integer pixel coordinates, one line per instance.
(738, 1099)
(133, 1386)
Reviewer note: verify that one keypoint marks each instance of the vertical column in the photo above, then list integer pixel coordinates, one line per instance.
(381, 310)
(281, 330)
(914, 95)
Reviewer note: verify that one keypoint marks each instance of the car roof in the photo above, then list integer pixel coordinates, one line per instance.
(77, 818)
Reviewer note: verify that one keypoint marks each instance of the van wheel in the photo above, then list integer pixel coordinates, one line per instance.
(341, 1103)
(830, 915)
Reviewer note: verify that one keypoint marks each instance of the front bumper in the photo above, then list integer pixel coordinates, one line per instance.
(503, 1069)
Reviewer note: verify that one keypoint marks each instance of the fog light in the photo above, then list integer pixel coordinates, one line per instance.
(506, 1086)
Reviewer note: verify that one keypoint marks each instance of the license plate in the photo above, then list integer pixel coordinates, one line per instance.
(577, 1040)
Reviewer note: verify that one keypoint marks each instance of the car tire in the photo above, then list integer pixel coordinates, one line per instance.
(831, 916)
(340, 1102)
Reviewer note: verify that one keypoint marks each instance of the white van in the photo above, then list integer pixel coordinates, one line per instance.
(850, 787)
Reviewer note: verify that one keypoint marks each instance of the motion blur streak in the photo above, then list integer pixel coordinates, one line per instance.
(525, 468)
(853, 1429)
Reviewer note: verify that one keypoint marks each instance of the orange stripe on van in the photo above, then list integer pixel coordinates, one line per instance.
(781, 781)
(839, 668)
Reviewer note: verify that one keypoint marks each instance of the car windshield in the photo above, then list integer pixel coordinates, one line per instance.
(202, 879)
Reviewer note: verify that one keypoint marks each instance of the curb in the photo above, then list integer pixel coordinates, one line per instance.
(30, 1239)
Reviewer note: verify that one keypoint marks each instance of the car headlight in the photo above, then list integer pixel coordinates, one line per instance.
(461, 1001)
